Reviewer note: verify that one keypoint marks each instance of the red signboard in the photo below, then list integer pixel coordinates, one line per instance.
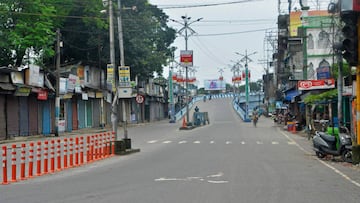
(42, 95)
(316, 84)
(186, 58)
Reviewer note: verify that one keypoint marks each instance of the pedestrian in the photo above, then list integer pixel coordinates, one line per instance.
(196, 109)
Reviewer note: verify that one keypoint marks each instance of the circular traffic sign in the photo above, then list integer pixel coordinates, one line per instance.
(139, 99)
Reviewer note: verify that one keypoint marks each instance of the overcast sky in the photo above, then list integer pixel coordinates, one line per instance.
(224, 30)
(238, 26)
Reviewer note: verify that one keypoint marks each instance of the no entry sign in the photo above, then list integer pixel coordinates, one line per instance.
(139, 99)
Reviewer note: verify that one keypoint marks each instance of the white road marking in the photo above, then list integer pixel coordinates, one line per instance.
(167, 179)
(216, 175)
(218, 181)
(167, 142)
(242, 142)
(152, 141)
(208, 179)
(228, 142)
(212, 142)
(274, 142)
(259, 142)
(292, 143)
(182, 142)
(197, 142)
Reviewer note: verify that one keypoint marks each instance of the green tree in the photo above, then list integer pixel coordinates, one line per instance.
(26, 25)
(85, 34)
(147, 39)
(31, 25)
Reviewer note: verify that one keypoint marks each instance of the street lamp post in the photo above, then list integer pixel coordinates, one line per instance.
(246, 59)
(186, 27)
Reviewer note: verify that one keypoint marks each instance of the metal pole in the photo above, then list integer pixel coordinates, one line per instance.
(340, 89)
(114, 104)
(186, 27)
(358, 88)
(246, 58)
(57, 99)
(171, 92)
(122, 63)
(186, 72)
(246, 88)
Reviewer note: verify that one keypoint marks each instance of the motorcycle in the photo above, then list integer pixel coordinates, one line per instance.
(338, 145)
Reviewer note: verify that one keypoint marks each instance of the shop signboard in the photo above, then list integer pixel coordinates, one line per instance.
(316, 84)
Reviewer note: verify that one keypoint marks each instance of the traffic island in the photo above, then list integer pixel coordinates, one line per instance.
(123, 147)
(356, 154)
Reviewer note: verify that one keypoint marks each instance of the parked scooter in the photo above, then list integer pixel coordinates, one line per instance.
(338, 145)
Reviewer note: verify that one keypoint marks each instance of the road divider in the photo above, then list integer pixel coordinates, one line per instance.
(50, 156)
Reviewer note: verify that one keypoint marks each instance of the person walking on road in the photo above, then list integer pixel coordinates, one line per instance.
(255, 117)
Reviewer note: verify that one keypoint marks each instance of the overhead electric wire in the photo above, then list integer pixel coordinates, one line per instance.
(207, 52)
(205, 5)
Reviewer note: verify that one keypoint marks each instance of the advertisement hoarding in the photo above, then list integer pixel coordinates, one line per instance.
(316, 84)
(214, 84)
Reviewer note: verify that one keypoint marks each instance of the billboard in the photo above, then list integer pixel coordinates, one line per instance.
(296, 22)
(214, 84)
(316, 84)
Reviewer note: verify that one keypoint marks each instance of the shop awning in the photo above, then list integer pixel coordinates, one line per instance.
(290, 95)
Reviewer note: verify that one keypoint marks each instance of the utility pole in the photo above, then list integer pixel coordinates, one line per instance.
(246, 59)
(57, 99)
(114, 118)
(171, 92)
(186, 27)
(122, 64)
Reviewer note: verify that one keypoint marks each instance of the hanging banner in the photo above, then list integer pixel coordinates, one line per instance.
(186, 58)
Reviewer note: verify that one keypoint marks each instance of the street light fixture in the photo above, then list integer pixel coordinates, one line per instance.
(185, 29)
(246, 59)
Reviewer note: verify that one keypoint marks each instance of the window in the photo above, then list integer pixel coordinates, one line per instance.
(324, 41)
(311, 74)
(310, 42)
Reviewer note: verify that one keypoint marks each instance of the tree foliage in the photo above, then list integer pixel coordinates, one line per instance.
(316, 98)
(147, 38)
(31, 25)
(26, 25)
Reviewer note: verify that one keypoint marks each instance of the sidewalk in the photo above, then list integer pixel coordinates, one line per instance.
(301, 139)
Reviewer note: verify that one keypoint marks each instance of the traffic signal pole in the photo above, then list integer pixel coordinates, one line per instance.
(356, 147)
